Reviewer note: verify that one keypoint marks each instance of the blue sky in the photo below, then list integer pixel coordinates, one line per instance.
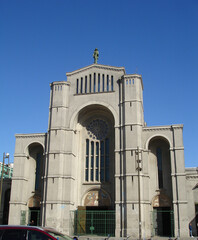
(41, 40)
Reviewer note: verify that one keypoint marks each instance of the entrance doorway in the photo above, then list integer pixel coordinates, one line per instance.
(163, 222)
(34, 216)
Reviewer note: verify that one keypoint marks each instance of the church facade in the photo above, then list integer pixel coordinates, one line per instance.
(99, 169)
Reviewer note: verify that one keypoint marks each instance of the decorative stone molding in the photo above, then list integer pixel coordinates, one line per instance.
(20, 178)
(192, 177)
(34, 135)
(16, 202)
(178, 174)
(20, 155)
(180, 202)
(131, 175)
(59, 176)
(61, 128)
(133, 202)
(58, 106)
(98, 66)
(176, 148)
(60, 83)
(59, 202)
(61, 152)
(152, 129)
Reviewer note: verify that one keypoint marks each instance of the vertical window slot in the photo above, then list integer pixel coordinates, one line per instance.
(90, 83)
(81, 85)
(111, 83)
(98, 82)
(77, 83)
(94, 82)
(85, 84)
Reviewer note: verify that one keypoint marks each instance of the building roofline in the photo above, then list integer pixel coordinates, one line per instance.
(99, 66)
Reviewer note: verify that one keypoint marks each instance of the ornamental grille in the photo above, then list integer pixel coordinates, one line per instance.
(97, 129)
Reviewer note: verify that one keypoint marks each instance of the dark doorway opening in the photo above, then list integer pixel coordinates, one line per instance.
(163, 222)
(34, 216)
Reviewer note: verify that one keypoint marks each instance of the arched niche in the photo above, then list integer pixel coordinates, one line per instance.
(34, 202)
(96, 198)
(161, 200)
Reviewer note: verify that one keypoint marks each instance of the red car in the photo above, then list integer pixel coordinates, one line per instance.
(9, 232)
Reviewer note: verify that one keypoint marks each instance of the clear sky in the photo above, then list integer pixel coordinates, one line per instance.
(41, 40)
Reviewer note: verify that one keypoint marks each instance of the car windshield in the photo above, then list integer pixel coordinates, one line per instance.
(58, 235)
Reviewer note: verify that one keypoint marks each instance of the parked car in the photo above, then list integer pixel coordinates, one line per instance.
(9, 232)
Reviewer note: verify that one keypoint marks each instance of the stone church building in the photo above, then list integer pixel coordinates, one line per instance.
(99, 169)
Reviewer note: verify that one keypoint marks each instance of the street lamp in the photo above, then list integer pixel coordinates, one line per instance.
(139, 168)
(5, 155)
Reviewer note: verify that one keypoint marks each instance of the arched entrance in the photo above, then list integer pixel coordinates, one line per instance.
(36, 163)
(161, 187)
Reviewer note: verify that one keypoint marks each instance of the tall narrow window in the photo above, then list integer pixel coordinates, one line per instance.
(38, 165)
(85, 84)
(81, 85)
(102, 161)
(90, 83)
(98, 82)
(107, 160)
(94, 82)
(107, 83)
(77, 83)
(103, 82)
(87, 161)
(111, 83)
(97, 152)
(92, 161)
(159, 164)
(97, 161)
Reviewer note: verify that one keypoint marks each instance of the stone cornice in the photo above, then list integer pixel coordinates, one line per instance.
(59, 202)
(60, 83)
(16, 202)
(129, 76)
(20, 178)
(31, 135)
(59, 176)
(61, 128)
(133, 202)
(131, 175)
(162, 128)
(61, 152)
(99, 66)
(194, 177)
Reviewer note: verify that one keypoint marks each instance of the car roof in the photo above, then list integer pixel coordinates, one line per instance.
(20, 226)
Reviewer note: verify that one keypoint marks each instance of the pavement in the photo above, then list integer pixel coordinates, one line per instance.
(153, 238)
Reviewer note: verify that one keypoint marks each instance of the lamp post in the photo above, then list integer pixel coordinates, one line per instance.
(5, 155)
(139, 168)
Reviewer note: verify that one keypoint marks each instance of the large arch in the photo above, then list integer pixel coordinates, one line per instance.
(162, 136)
(35, 155)
(160, 185)
(74, 117)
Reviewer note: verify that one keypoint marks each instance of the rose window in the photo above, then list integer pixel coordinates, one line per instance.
(97, 129)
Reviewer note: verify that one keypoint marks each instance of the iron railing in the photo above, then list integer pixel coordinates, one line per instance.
(94, 222)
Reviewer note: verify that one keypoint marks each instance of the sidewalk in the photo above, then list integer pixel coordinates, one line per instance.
(153, 238)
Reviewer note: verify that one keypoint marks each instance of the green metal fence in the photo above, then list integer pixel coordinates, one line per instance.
(94, 222)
